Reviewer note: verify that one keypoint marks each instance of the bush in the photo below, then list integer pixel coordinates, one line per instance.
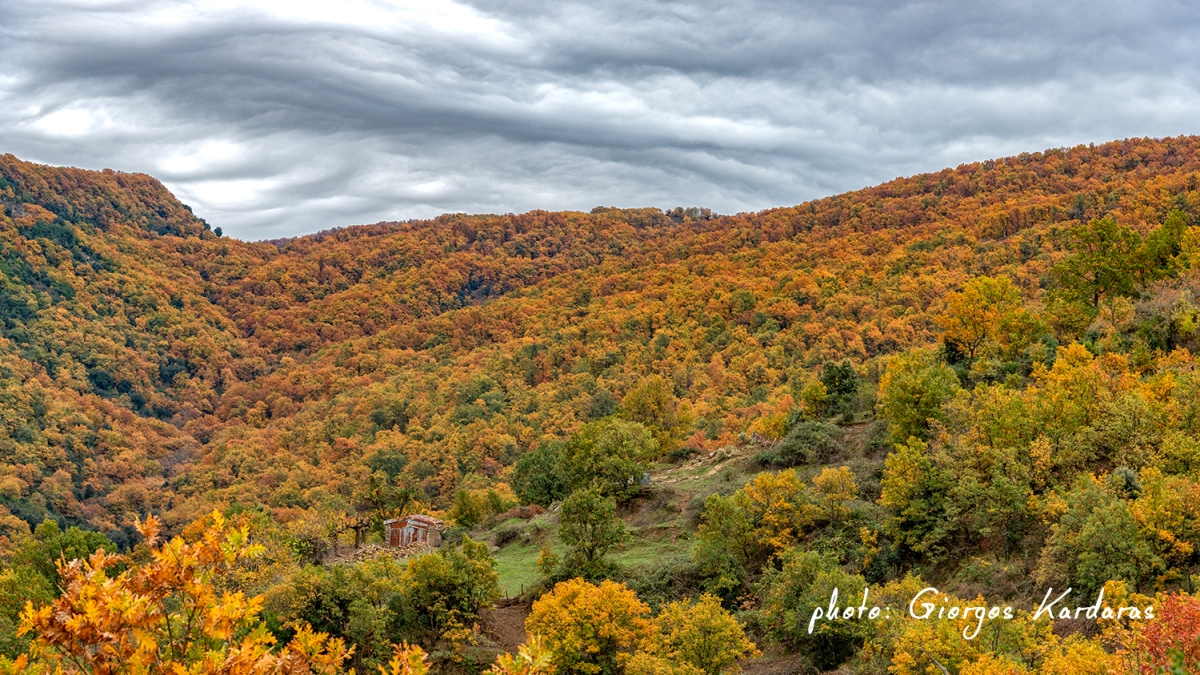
(376, 603)
(505, 536)
(674, 576)
(807, 581)
(353, 602)
(812, 442)
(522, 512)
(682, 454)
(444, 591)
(472, 508)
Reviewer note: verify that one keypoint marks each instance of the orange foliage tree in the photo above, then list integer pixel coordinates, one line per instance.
(168, 616)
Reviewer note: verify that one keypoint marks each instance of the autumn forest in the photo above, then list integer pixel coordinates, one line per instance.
(657, 440)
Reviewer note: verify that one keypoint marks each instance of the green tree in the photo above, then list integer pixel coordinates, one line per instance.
(841, 383)
(537, 477)
(728, 548)
(1105, 261)
(1162, 253)
(357, 602)
(916, 493)
(912, 392)
(590, 527)
(833, 491)
(49, 544)
(806, 581)
(814, 396)
(740, 534)
(469, 508)
(1096, 540)
(609, 455)
(18, 586)
(384, 495)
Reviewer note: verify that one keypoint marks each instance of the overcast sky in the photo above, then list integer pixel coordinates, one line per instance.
(281, 117)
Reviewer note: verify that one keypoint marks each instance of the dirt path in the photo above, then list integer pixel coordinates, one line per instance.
(505, 625)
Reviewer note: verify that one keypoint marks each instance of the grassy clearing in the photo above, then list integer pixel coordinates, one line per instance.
(642, 552)
(517, 566)
(661, 521)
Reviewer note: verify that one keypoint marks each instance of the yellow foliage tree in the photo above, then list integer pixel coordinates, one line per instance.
(934, 647)
(1191, 247)
(406, 660)
(653, 404)
(590, 629)
(778, 505)
(835, 489)
(974, 315)
(1078, 656)
(990, 664)
(701, 638)
(743, 532)
(169, 616)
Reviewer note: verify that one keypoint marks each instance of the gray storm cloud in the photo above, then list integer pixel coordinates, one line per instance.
(275, 118)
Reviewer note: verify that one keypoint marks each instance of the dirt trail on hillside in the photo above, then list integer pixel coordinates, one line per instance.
(505, 625)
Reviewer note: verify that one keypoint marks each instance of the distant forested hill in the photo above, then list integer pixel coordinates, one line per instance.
(148, 365)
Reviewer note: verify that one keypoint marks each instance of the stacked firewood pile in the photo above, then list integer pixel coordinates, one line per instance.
(372, 551)
(415, 548)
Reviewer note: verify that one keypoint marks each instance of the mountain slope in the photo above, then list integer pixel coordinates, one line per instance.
(149, 365)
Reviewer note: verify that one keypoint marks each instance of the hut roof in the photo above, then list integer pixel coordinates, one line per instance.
(418, 519)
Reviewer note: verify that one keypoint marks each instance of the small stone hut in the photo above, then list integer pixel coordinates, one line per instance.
(414, 529)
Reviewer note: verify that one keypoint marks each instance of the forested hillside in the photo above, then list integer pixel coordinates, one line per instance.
(982, 378)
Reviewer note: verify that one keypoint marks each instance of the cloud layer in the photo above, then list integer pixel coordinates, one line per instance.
(280, 117)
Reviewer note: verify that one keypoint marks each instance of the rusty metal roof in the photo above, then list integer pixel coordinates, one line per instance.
(418, 519)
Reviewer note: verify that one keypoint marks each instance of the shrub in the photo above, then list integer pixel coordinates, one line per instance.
(505, 536)
(672, 577)
(811, 442)
(352, 602)
(807, 580)
(522, 512)
(443, 591)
